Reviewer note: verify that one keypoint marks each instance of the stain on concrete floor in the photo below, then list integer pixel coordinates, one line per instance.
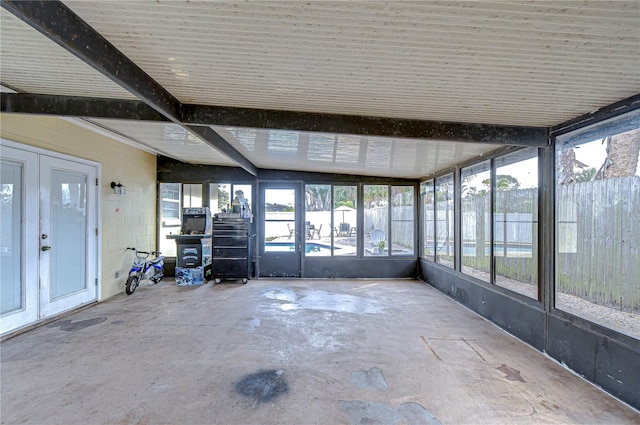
(322, 300)
(70, 326)
(371, 413)
(372, 378)
(510, 373)
(263, 386)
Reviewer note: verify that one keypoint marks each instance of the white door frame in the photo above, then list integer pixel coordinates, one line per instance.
(32, 211)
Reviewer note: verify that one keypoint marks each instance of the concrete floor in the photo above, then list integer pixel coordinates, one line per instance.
(288, 352)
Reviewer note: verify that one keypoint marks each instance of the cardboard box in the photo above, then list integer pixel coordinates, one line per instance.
(190, 276)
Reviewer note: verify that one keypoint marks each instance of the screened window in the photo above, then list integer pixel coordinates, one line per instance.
(317, 220)
(445, 213)
(476, 220)
(222, 195)
(243, 192)
(402, 221)
(170, 201)
(191, 195)
(169, 222)
(597, 226)
(516, 222)
(345, 217)
(376, 219)
(428, 219)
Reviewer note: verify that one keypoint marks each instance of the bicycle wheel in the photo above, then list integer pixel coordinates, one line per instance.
(132, 284)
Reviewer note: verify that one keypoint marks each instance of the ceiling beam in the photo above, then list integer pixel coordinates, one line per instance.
(364, 125)
(202, 115)
(219, 143)
(622, 107)
(60, 24)
(89, 107)
(82, 107)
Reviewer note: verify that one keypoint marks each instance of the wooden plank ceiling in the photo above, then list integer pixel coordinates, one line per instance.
(510, 65)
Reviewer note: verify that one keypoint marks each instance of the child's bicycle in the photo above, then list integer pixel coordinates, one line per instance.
(143, 268)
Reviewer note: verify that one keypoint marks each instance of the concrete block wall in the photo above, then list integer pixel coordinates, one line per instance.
(127, 220)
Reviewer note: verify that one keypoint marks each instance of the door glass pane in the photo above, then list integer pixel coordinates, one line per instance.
(68, 233)
(402, 228)
(11, 291)
(279, 217)
(376, 219)
(345, 220)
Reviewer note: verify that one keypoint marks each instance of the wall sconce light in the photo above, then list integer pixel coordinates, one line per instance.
(118, 188)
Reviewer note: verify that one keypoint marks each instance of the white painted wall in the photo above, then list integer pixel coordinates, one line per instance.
(127, 220)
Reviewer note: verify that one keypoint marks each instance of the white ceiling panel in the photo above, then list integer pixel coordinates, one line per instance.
(349, 154)
(169, 139)
(32, 63)
(513, 63)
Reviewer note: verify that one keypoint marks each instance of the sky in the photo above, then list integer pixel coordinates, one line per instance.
(525, 171)
(594, 153)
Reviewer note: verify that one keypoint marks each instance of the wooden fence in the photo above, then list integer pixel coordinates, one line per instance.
(403, 227)
(597, 238)
(598, 241)
(515, 230)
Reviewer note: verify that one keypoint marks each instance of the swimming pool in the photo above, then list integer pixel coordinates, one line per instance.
(310, 248)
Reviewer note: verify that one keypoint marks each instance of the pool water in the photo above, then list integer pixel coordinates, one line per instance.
(309, 247)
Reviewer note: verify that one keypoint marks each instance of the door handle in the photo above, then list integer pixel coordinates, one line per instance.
(45, 248)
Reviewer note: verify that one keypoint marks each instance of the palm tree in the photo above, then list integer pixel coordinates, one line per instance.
(586, 175)
(223, 196)
(622, 155)
(344, 195)
(317, 197)
(376, 195)
(565, 166)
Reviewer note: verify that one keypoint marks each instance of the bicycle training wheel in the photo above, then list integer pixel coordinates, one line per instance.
(132, 284)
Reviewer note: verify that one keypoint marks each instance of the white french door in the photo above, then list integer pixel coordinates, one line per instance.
(19, 211)
(67, 235)
(48, 241)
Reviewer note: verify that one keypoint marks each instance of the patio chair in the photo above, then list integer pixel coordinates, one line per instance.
(291, 230)
(376, 236)
(315, 231)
